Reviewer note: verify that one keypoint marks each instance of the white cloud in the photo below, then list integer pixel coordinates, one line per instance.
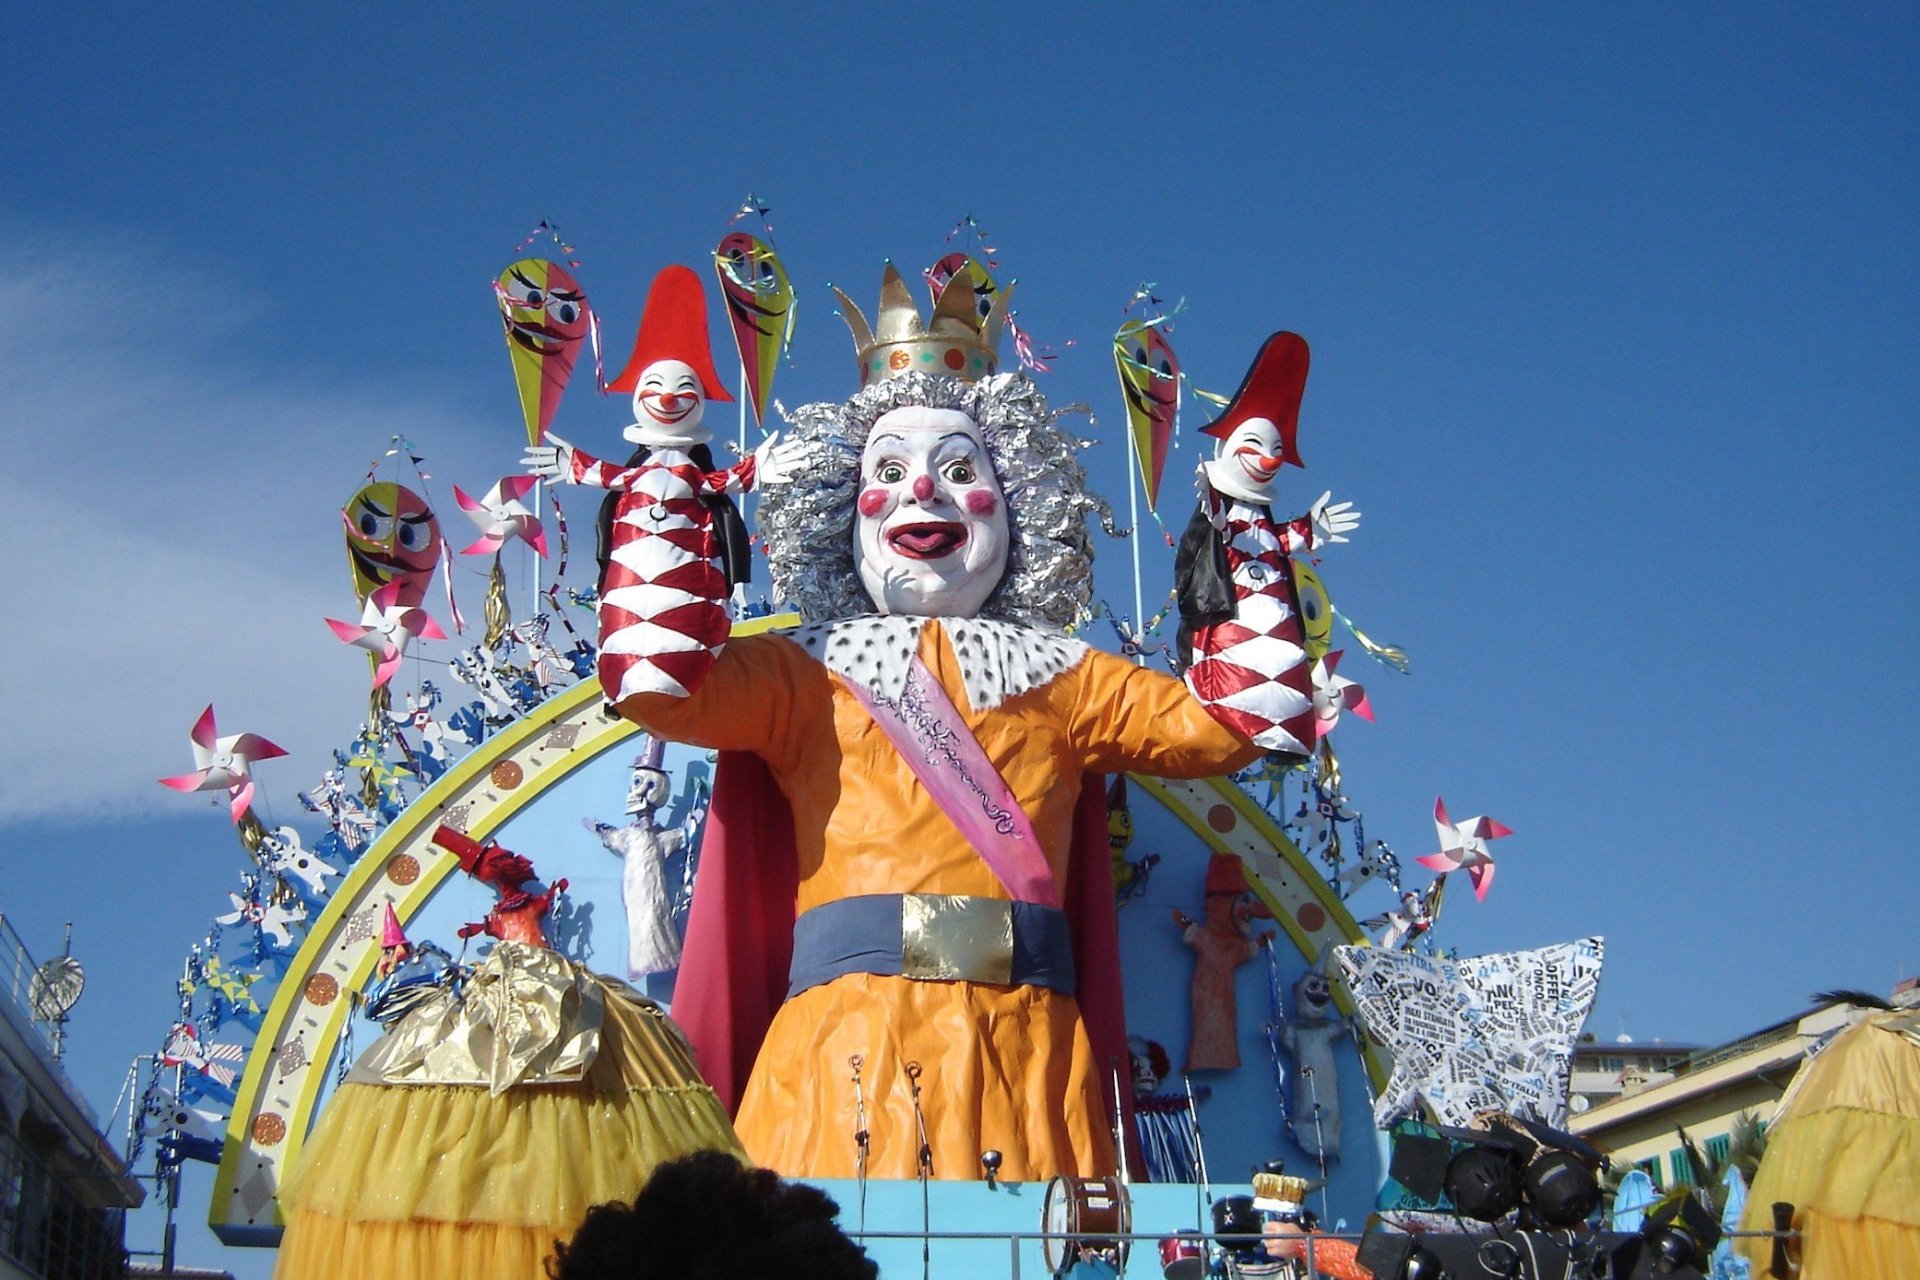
(172, 538)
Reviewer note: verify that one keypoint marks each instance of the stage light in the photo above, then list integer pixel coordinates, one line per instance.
(1391, 1254)
(1680, 1233)
(1484, 1182)
(1561, 1188)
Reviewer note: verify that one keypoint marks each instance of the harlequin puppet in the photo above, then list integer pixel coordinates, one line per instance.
(1240, 627)
(395, 949)
(672, 543)
(1221, 942)
(907, 854)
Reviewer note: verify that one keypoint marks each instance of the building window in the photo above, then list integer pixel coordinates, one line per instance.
(1612, 1064)
(1651, 1167)
(1681, 1165)
(1718, 1148)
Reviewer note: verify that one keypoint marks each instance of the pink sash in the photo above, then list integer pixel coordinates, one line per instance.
(931, 736)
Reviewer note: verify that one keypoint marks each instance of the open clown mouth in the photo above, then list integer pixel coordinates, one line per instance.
(929, 540)
(536, 337)
(1257, 464)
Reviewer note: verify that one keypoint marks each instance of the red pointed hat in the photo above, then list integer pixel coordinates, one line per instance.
(1272, 390)
(674, 327)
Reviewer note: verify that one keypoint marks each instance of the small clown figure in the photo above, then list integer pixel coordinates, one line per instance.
(1240, 626)
(1221, 942)
(674, 543)
(395, 950)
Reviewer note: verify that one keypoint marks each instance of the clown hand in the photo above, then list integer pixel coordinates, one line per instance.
(776, 461)
(550, 460)
(1335, 521)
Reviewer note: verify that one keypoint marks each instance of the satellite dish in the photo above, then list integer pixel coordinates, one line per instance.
(56, 985)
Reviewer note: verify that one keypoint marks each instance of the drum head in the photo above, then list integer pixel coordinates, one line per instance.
(1056, 1220)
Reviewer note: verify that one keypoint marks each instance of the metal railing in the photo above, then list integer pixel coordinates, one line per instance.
(1143, 1247)
(19, 969)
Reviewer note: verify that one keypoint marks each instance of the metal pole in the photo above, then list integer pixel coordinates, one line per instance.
(1133, 524)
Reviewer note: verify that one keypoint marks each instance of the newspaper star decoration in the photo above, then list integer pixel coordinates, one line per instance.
(1463, 847)
(185, 1048)
(386, 628)
(1488, 1033)
(501, 516)
(223, 764)
(1334, 694)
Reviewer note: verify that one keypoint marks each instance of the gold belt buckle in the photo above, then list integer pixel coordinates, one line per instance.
(947, 937)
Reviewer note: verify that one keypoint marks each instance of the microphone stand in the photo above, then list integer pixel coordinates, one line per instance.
(926, 1171)
(861, 1138)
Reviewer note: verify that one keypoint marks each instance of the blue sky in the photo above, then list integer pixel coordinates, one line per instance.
(1611, 310)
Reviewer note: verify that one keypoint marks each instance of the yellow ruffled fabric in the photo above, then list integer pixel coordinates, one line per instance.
(453, 1180)
(1845, 1153)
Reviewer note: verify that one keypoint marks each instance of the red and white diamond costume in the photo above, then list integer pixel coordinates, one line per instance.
(1251, 669)
(663, 610)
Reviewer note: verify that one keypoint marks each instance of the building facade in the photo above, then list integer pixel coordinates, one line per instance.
(64, 1189)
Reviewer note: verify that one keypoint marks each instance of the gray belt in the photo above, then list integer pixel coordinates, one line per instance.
(933, 937)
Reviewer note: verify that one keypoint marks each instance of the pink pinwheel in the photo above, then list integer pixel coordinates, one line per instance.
(1334, 694)
(385, 629)
(1463, 847)
(502, 516)
(222, 764)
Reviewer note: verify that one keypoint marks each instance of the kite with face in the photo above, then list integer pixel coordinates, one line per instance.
(759, 300)
(1150, 382)
(544, 314)
(392, 536)
(968, 273)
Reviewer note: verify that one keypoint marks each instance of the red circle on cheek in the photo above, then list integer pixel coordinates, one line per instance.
(982, 503)
(872, 502)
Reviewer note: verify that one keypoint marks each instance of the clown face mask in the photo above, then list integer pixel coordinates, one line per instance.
(667, 407)
(931, 533)
(1248, 461)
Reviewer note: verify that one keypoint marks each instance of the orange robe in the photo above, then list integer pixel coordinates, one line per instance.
(1005, 1067)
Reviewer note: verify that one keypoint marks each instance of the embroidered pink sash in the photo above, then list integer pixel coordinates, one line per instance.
(931, 736)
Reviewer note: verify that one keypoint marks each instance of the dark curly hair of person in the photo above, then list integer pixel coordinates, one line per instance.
(708, 1217)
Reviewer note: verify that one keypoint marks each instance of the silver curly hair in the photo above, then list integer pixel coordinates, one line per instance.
(808, 524)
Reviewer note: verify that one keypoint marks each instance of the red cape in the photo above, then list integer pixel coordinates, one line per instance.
(733, 973)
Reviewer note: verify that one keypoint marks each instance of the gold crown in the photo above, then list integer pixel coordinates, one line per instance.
(958, 342)
(1279, 1189)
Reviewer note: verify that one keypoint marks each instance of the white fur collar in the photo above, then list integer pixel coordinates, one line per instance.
(998, 660)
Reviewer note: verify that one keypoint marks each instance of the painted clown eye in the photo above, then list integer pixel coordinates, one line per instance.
(890, 473)
(960, 471)
(564, 310)
(412, 536)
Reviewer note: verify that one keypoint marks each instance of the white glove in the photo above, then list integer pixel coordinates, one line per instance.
(775, 461)
(1203, 490)
(1335, 521)
(552, 460)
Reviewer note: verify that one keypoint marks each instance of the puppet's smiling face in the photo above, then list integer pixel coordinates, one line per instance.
(667, 406)
(931, 533)
(1248, 460)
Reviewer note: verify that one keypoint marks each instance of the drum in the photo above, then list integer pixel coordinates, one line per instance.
(1085, 1216)
(1183, 1256)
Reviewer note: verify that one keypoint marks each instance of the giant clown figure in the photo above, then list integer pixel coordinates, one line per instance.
(904, 879)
